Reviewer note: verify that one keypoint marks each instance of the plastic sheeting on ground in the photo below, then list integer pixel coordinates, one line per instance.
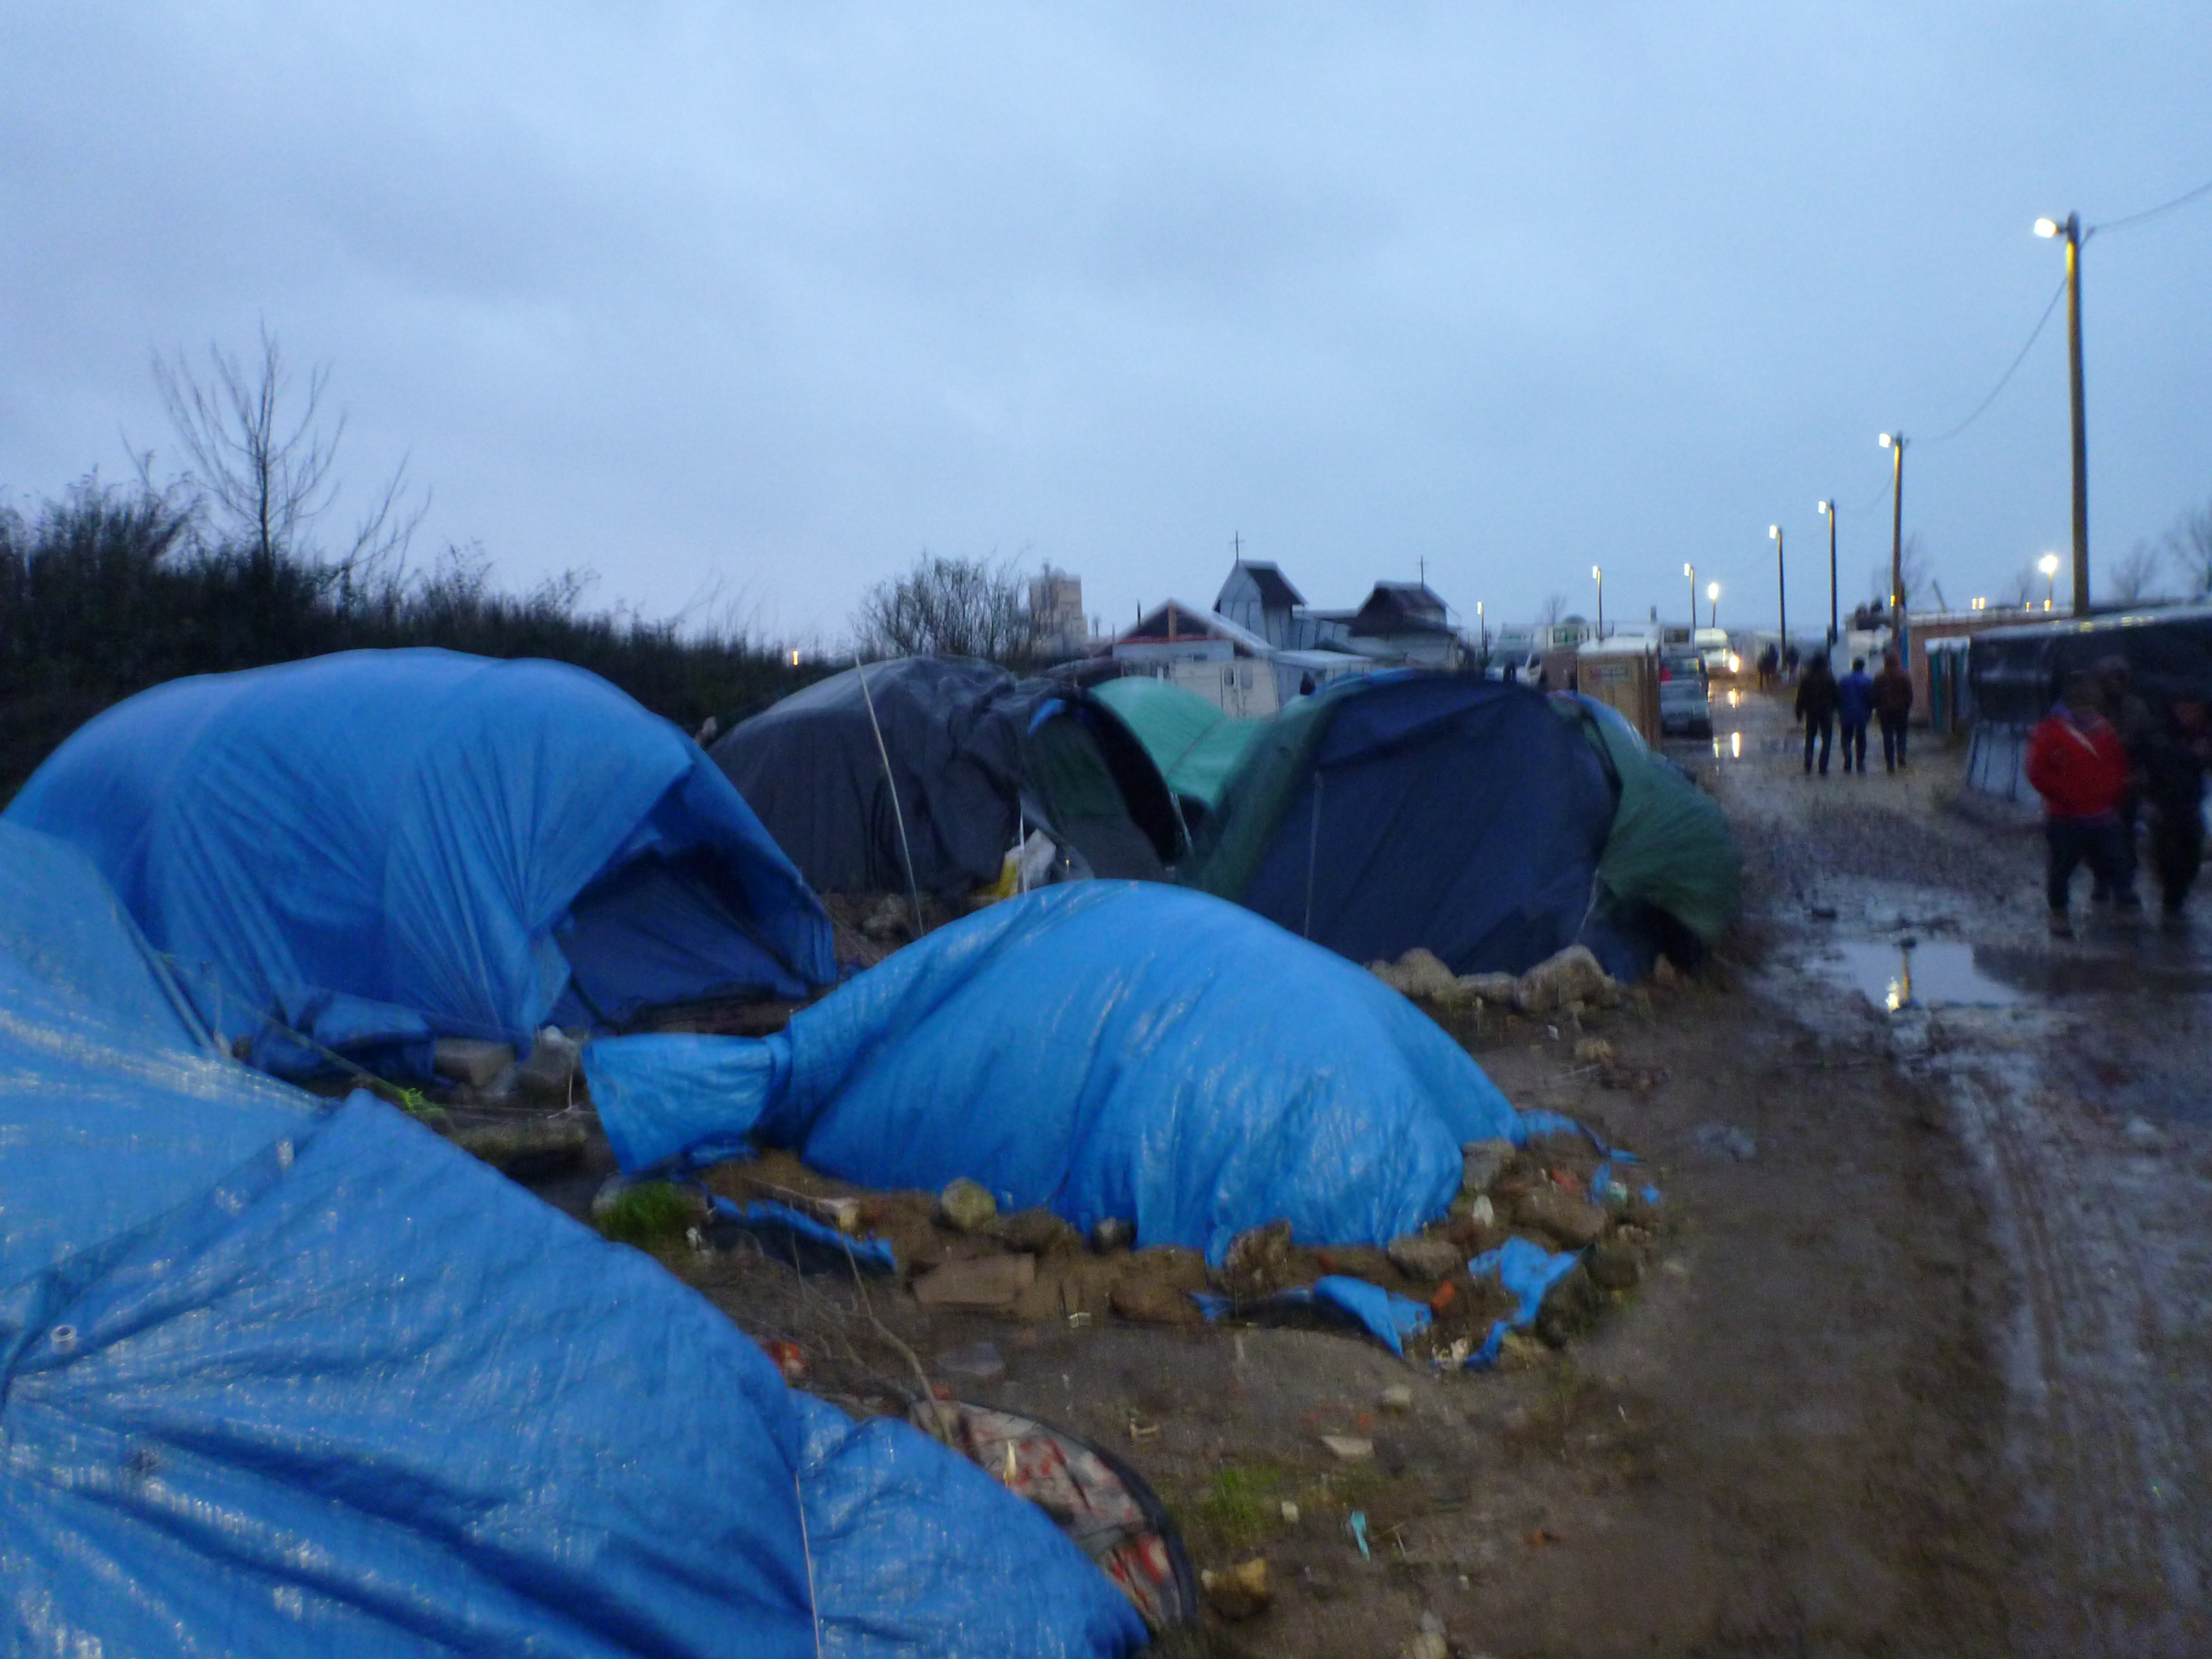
(381, 847)
(962, 754)
(1112, 1051)
(275, 1378)
(1407, 810)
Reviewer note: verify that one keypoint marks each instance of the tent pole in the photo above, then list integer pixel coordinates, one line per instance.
(906, 852)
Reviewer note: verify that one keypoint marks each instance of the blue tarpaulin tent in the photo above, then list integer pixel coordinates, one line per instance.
(1117, 1050)
(381, 847)
(280, 1378)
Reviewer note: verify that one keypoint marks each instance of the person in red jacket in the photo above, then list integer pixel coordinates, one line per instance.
(2076, 763)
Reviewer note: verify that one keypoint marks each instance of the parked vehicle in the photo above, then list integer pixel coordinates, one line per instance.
(1685, 708)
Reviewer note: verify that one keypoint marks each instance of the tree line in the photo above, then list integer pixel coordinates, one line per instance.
(115, 586)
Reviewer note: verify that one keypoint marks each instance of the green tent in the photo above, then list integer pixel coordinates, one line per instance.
(1194, 743)
(1670, 846)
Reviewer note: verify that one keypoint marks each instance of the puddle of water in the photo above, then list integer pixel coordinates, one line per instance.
(1931, 974)
(1942, 974)
(2057, 974)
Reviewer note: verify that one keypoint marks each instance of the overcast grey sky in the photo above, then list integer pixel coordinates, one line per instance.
(760, 300)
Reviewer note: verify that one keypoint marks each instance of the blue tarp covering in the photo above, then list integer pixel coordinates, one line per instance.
(1110, 1049)
(278, 1379)
(381, 847)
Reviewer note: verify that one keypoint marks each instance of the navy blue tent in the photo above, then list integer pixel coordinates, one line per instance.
(280, 1378)
(1402, 810)
(377, 848)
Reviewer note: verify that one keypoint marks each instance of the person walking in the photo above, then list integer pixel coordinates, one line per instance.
(1854, 708)
(1893, 707)
(2077, 763)
(2131, 717)
(1816, 706)
(2174, 760)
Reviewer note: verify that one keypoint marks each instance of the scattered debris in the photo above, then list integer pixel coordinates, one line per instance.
(1350, 1447)
(1428, 1643)
(1569, 980)
(471, 1061)
(1725, 1140)
(991, 1281)
(966, 1206)
(978, 1362)
(1423, 1256)
(1574, 1222)
(1398, 1397)
(1240, 1592)
(1593, 1051)
(1356, 1524)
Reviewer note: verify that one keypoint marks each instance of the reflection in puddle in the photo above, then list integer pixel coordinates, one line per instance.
(1938, 975)
(1734, 751)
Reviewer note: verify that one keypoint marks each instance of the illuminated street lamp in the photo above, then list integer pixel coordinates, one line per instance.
(1827, 510)
(2048, 564)
(2071, 230)
(1894, 442)
(1712, 592)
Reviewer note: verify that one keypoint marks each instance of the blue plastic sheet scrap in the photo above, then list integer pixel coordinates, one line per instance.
(1390, 1319)
(816, 1242)
(1528, 1272)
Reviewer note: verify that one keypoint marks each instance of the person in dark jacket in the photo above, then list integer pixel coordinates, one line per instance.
(1893, 705)
(2132, 718)
(2077, 763)
(1854, 708)
(2173, 763)
(1816, 706)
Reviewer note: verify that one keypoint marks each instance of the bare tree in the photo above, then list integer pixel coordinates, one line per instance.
(2135, 577)
(1553, 607)
(947, 607)
(263, 454)
(2020, 592)
(1915, 569)
(2189, 544)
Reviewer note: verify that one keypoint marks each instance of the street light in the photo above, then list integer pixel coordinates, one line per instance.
(1894, 442)
(1781, 594)
(1598, 576)
(1691, 571)
(2048, 564)
(1482, 628)
(1827, 510)
(2071, 230)
(1712, 592)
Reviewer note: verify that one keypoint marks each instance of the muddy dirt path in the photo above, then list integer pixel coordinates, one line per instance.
(2075, 1077)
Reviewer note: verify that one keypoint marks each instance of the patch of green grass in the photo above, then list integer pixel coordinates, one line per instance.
(1238, 1510)
(651, 1215)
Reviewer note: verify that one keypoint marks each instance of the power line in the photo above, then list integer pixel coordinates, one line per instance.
(2204, 189)
(2005, 379)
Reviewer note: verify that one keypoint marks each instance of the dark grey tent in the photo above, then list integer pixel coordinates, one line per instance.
(978, 758)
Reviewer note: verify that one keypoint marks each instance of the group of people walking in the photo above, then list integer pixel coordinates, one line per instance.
(1825, 701)
(2104, 763)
